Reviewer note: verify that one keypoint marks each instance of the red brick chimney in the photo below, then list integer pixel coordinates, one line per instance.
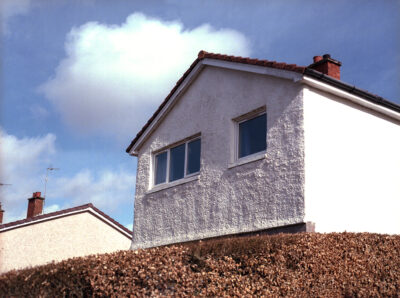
(1, 215)
(35, 205)
(327, 65)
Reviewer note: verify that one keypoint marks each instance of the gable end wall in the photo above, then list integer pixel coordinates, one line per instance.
(352, 166)
(58, 239)
(222, 200)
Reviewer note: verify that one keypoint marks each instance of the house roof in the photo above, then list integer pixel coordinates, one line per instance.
(66, 212)
(271, 64)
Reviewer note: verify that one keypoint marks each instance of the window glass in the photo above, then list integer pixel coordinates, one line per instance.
(161, 168)
(193, 158)
(252, 135)
(177, 163)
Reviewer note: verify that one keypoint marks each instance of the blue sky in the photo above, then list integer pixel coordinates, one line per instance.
(80, 78)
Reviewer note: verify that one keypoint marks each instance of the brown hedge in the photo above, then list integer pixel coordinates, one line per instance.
(302, 265)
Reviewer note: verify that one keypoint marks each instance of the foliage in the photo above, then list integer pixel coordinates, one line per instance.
(301, 265)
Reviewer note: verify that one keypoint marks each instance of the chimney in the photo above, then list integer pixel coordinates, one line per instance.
(327, 65)
(35, 205)
(1, 215)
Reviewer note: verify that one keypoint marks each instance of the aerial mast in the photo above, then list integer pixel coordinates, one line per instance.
(1, 210)
(47, 176)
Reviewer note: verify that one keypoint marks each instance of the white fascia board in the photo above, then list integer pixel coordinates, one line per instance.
(263, 70)
(166, 108)
(354, 98)
(89, 209)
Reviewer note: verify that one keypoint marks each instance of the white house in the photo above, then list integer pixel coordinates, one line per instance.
(243, 145)
(42, 238)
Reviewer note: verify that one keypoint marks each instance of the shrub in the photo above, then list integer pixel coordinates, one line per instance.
(344, 264)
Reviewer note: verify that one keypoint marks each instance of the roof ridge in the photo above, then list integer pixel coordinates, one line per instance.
(247, 60)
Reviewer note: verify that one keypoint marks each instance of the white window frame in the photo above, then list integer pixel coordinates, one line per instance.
(236, 160)
(168, 150)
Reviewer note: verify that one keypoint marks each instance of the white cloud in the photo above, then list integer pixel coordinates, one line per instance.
(23, 162)
(10, 8)
(107, 190)
(114, 77)
(22, 156)
(51, 208)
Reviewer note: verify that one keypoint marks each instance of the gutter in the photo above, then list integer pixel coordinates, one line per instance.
(352, 89)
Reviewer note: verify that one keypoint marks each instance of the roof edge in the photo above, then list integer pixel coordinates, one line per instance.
(352, 89)
(305, 71)
(207, 55)
(178, 83)
(61, 213)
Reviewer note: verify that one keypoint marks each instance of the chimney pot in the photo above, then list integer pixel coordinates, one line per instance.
(327, 66)
(35, 205)
(317, 58)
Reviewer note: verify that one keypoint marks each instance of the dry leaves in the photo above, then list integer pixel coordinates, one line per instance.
(301, 265)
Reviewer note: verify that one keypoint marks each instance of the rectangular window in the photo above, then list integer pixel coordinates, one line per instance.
(252, 136)
(193, 159)
(177, 162)
(161, 168)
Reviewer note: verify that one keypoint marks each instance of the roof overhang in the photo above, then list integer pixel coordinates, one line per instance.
(354, 95)
(262, 70)
(298, 74)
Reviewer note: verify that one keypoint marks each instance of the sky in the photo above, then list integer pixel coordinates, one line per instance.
(80, 78)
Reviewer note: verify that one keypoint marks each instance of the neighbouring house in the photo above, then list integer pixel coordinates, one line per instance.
(43, 238)
(243, 145)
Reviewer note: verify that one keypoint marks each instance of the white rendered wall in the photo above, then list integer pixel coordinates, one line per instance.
(58, 239)
(262, 194)
(352, 166)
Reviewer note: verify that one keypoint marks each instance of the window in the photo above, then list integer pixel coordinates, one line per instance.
(193, 160)
(177, 162)
(161, 168)
(252, 135)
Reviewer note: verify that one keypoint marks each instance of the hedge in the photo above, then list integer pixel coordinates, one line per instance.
(301, 265)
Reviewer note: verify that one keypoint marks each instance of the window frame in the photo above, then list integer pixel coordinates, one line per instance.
(168, 150)
(155, 168)
(243, 118)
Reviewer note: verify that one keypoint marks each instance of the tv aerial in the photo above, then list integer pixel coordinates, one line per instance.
(47, 178)
(3, 184)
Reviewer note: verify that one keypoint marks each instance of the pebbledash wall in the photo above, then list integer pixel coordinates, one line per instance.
(352, 164)
(57, 239)
(226, 197)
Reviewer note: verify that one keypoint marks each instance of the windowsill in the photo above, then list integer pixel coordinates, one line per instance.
(248, 159)
(163, 186)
